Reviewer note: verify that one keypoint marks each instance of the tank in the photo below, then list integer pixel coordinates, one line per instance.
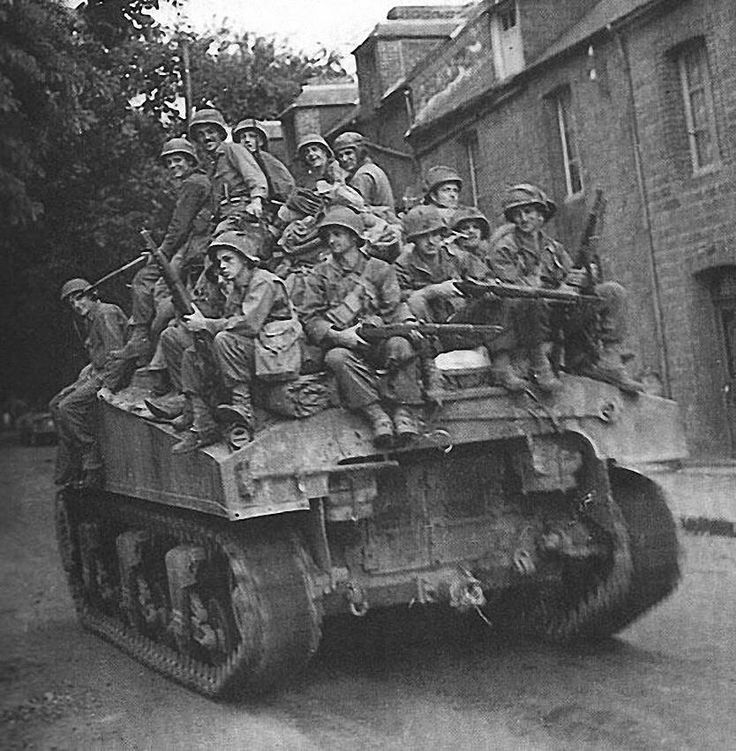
(221, 568)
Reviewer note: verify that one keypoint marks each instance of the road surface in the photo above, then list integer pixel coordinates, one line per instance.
(668, 682)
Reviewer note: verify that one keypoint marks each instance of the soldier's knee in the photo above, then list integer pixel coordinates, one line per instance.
(611, 291)
(399, 349)
(337, 358)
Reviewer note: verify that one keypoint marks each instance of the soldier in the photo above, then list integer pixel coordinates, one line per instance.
(239, 187)
(256, 297)
(522, 253)
(426, 270)
(184, 242)
(73, 407)
(253, 136)
(442, 186)
(362, 173)
(318, 162)
(472, 231)
(342, 292)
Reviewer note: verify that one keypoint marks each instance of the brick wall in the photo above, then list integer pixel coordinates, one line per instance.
(542, 21)
(690, 216)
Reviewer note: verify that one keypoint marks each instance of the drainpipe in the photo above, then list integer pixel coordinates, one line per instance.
(644, 198)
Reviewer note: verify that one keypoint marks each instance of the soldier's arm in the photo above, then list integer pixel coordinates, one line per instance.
(193, 196)
(393, 308)
(242, 160)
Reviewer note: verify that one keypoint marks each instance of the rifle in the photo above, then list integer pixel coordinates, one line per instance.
(179, 295)
(373, 333)
(475, 288)
(587, 258)
(139, 261)
(211, 379)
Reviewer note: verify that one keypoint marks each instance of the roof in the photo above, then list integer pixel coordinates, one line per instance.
(605, 13)
(412, 29)
(466, 89)
(324, 95)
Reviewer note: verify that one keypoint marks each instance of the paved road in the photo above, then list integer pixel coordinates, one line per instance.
(668, 682)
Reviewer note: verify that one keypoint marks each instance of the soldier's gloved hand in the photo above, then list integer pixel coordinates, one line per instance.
(349, 338)
(579, 277)
(444, 290)
(255, 208)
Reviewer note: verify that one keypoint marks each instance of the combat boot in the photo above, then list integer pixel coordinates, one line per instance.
(504, 374)
(185, 420)
(166, 408)
(240, 409)
(405, 424)
(610, 368)
(138, 346)
(203, 432)
(542, 369)
(381, 424)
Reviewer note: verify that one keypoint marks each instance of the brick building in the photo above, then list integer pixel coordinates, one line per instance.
(637, 97)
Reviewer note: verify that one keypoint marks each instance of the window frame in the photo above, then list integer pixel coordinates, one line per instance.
(698, 47)
(565, 118)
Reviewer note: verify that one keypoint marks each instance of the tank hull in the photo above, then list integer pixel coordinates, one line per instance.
(218, 568)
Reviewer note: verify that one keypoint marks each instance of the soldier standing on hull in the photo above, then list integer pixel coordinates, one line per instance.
(363, 173)
(74, 407)
(184, 243)
(251, 134)
(342, 292)
(442, 186)
(239, 187)
(256, 298)
(521, 253)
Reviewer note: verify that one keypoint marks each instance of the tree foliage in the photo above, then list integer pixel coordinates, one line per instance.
(87, 96)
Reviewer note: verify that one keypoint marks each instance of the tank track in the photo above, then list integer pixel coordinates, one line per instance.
(278, 624)
(643, 570)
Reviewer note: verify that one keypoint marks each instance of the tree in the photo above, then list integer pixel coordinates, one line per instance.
(87, 97)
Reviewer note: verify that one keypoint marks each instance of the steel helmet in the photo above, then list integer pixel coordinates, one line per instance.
(314, 138)
(250, 123)
(240, 242)
(349, 140)
(207, 116)
(179, 146)
(440, 174)
(422, 219)
(342, 216)
(526, 194)
(468, 213)
(73, 286)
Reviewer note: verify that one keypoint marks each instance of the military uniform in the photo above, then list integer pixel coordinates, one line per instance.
(337, 298)
(236, 181)
(373, 184)
(184, 243)
(74, 408)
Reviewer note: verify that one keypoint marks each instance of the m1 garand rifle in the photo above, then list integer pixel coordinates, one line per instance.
(373, 333)
(475, 288)
(587, 257)
(182, 303)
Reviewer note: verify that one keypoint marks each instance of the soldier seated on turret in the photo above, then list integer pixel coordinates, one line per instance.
(363, 173)
(239, 187)
(78, 459)
(256, 297)
(522, 253)
(184, 244)
(348, 289)
(471, 231)
(253, 136)
(442, 186)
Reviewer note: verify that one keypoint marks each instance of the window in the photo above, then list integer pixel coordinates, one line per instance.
(692, 63)
(508, 18)
(508, 52)
(568, 142)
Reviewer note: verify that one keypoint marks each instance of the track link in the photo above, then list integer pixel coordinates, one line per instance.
(278, 623)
